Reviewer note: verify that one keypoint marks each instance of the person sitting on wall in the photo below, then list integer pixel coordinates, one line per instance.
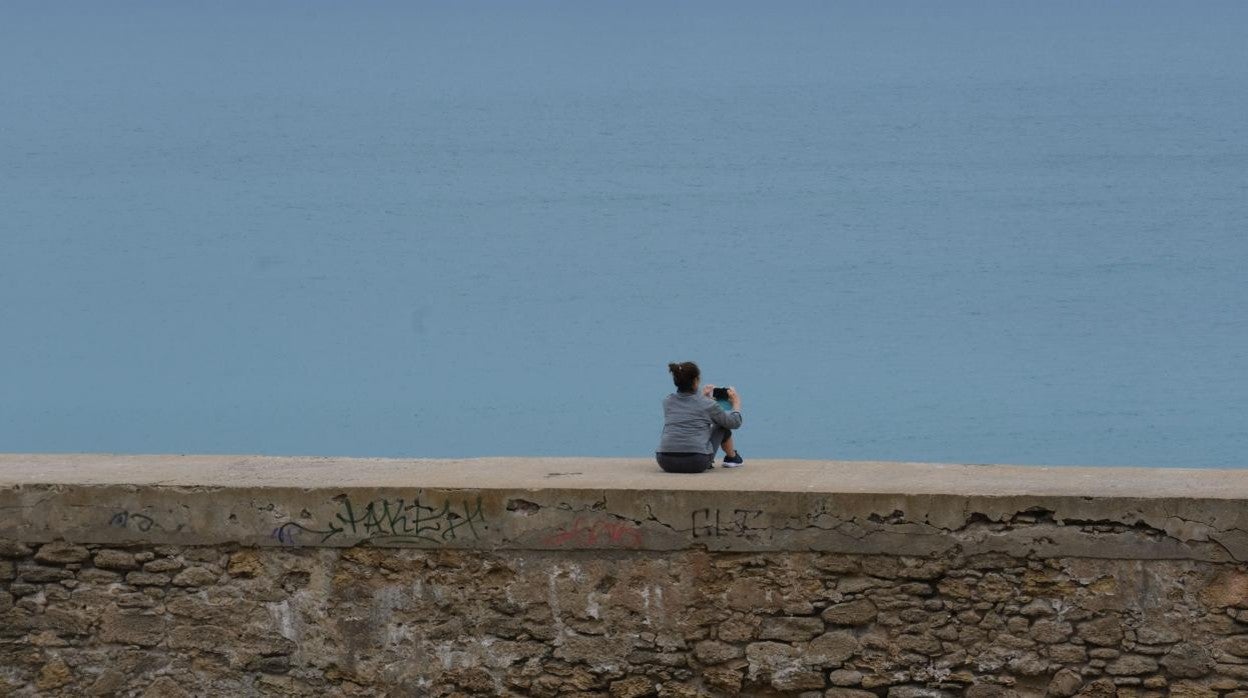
(695, 426)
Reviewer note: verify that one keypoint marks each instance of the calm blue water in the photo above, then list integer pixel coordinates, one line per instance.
(978, 232)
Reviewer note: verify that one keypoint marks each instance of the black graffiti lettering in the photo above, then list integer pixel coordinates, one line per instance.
(455, 521)
(403, 521)
(429, 520)
(741, 519)
(288, 533)
(127, 519)
(705, 523)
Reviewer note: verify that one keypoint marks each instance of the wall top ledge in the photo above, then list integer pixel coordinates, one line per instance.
(529, 473)
(912, 509)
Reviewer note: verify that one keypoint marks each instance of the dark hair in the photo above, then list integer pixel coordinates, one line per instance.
(684, 375)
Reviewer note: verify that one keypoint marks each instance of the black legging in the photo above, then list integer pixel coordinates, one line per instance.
(684, 462)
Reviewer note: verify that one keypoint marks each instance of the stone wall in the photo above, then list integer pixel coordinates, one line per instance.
(105, 591)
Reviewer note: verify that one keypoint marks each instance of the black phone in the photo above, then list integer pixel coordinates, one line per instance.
(719, 393)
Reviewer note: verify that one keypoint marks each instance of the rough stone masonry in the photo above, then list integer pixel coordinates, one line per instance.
(191, 576)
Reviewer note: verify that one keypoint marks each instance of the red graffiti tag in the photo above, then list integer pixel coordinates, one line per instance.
(593, 533)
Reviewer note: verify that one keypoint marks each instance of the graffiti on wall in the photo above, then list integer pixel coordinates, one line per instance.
(402, 521)
(593, 533)
(426, 519)
(712, 523)
(134, 521)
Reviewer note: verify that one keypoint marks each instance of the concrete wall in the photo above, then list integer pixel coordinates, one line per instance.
(176, 575)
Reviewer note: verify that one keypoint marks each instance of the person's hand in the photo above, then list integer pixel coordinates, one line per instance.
(707, 389)
(734, 398)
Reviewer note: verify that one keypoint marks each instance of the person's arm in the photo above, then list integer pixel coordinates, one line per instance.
(728, 420)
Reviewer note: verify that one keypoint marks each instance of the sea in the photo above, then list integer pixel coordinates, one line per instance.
(975, 232)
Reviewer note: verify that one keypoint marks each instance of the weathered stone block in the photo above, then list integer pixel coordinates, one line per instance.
(1028, 664)
(1228, 672)
(132, 628)
(1105, 631)
(1037, 608)
(880, 566)
(281, 664)
(1131, 665)
(246, 564)
(797, 680)
(201, 637)
(39, 574)
(995, 588)
(919, 644)
(633, 687)
(1227, 588)
(797, 607)
(1051, 631)
(110, 559)
(948, 633)
(916, 589)
(738, 630)
(922, 569)
(1236, 645)
(1099, 688)
(134, 599)
(13, 549)
(62, 553)
(836, 565)
(592, 650)
(98, 576)
(858, 612)
(147, 579)
(753, 594)
(832, 649)
(207, 553)
(1157, 634)
(723, 679)
(857, 585)
(672, 689)
(957, 588)
(768, 658)
(1188, 661)
(1189, 689)
(163, 564)
(195, 577)
(845, 677)
(53, 675)
(790, 629)
(712, 652)
(46, 638)
(67, 620)
(108, 682)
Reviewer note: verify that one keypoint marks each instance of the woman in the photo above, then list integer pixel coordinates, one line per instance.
(695, 426)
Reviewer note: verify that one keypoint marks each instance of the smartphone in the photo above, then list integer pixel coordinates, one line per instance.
(719, 393)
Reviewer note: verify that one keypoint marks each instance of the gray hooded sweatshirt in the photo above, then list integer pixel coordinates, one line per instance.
(689, 421)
